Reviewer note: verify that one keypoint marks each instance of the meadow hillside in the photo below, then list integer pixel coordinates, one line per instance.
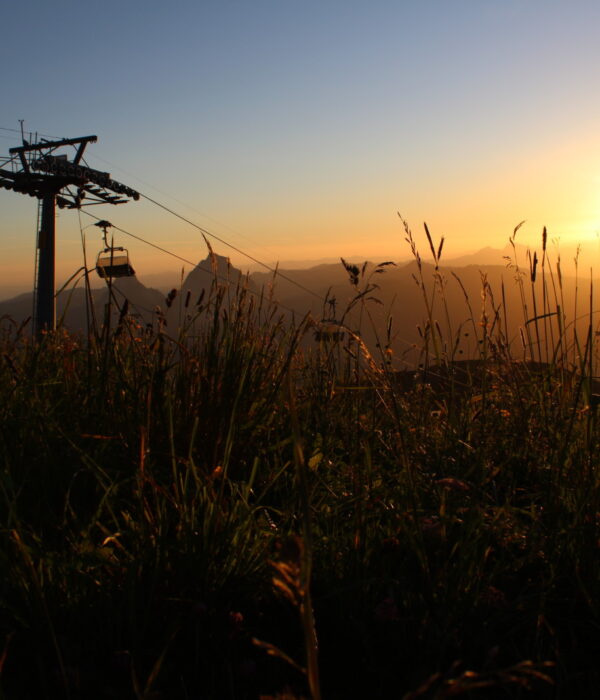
(424, 312)
(78, 308)
(248, 505)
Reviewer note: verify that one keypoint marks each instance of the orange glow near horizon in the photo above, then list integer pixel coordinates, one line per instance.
(298, 135)
(472, 207)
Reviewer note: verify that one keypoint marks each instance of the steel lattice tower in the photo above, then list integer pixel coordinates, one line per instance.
(38, 171)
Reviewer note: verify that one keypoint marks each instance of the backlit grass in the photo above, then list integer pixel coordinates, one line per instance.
(238, 509)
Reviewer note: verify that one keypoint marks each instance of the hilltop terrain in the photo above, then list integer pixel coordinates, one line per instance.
(395, 305)
(251, 512)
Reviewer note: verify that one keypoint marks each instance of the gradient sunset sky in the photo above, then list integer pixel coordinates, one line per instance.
(297, 130)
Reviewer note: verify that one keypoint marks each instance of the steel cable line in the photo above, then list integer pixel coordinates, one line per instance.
(189, 262)
(137, 306)
(178, 201)
(233, 247)
(221, 278)
(164, 250)
(205, 232)
(143, 240)
(179, 257)
(250, 257)
(114, 286)
(18, 131)
(87, 271)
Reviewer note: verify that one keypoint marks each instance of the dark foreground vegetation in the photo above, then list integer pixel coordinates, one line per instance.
(249, 508)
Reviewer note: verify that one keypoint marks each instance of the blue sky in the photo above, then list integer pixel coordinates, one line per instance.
(298, 129)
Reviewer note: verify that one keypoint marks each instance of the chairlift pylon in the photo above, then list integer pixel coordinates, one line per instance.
(113, 261)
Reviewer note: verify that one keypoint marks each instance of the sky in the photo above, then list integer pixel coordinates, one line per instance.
(298, 130)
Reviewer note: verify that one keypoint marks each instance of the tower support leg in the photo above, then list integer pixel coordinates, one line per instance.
(46, 304)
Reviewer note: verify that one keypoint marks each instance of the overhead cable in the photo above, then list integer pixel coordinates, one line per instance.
(178, 257)
(206, 232)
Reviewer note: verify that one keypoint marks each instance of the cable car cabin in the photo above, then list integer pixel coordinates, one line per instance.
(329, 330)
(114, 262)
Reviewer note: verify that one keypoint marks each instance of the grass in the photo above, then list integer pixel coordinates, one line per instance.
(237, 510)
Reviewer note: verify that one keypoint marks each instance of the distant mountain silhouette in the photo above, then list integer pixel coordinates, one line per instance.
(213, 272)
(9, 291)
(302, 264)
(587, 256)
(72, 308)
(458, 306)
(205, 272)
(462, 298)
(485, 256)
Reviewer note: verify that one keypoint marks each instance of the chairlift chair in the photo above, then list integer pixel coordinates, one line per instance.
(110, 264)
(114, 262)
